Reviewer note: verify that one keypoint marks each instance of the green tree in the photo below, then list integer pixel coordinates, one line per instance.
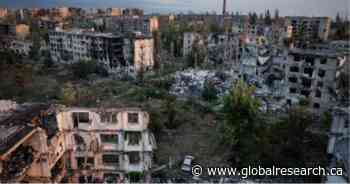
(34, 52)
(209, 91)
(241, 126)
(288, 139)
(170, 113)
(83, 69)
(68, 96)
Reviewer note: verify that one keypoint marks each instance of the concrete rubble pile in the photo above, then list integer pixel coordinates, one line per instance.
(191, 82)
(20, 161)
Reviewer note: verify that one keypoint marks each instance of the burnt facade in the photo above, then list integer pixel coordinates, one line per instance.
(312, 75)
(106, 49)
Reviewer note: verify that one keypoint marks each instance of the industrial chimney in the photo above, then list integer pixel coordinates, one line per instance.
(224, 8)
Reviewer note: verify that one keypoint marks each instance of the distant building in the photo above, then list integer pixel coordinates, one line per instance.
(21, 47)
(191, 38)
(154, 24)
(223, 48)
(63, 12)
(22, 31)
(165, 20)
(7, 30)
(114, 12)
(143, 53)
(260, 33)
(72, 46)
(311, 74)
(49, 24)
(310, 28)
(130, 24)
(133, 12)
(249, 62)
(3, 12)
(21, 14)
(112, 51)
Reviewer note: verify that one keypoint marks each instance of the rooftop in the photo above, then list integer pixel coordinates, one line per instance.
(20, 123)
(87, 33)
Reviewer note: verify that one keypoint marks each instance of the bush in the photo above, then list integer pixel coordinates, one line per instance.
(135, 176)
(209, 92)
(83, 69)
(156, 126)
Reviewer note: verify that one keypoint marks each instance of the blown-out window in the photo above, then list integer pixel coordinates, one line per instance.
(110, 159)
(133, 117)
(80, 117)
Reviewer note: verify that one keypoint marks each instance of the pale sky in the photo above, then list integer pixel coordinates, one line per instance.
(286, 7)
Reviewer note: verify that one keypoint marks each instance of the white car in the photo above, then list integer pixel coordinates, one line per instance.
(187, 164)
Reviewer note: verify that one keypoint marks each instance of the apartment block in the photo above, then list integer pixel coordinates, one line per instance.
(3, 12)
(223, 48)
(310, 28)
(22, 31)
(130, 24)
(114, 52)
(107, 143)
(21, 47)
(72, 46)
(133, 12)
(312, 74)
(143, 57)
(191, 38)
(7, 30)
(114, 12)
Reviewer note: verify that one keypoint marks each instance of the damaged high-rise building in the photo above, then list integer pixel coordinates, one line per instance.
(45, 143)
(31, 147)
(106, 143)
(312, 74)
(111, 51)
(310, 29)
(222, 48)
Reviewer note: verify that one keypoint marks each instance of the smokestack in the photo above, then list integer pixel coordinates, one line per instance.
(224, 8)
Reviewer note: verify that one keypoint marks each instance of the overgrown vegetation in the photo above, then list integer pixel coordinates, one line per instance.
(285, 142)
(83, 69)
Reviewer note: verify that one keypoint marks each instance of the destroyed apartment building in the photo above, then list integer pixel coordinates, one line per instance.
(312, 29)
(114, 52)
(223, 48)
(31, 147)
(130, 24)
(338, 144)
(312, 75)
(106, 143)
(192, 82)
(43, 143)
